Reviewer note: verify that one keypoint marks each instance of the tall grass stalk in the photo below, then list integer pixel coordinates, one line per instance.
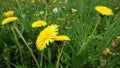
(89, 38)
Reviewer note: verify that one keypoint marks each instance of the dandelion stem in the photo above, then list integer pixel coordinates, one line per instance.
(62, 49)
(90, 37)
(27, 46)
(41, 59)
(58, 58)
(59, 55)
(19, 47)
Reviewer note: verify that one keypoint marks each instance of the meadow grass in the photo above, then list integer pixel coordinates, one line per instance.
(90, 34)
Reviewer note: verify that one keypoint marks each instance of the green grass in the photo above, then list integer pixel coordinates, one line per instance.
(83, 51)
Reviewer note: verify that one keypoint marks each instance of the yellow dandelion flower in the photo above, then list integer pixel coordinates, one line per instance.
(8, 20)
(9, 13)
(106, 51)
(39, 23)
(104, 10)
(46, 36)
(61, 38)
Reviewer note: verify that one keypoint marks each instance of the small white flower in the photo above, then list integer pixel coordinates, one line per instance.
(41, 12)
(55, 10)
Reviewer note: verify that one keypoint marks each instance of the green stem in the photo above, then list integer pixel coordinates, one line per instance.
(41, 59)
(46, 12)
(62, 49)
(90, 37)
(42, 52)
(59, 55)
(19, 47)
(58, 59)
(27, 46)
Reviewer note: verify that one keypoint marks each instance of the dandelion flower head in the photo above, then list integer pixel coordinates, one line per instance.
(39, 23)
(46, 36)
(9, 13)
(61, 38)
(104, 10)
(9, 20)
